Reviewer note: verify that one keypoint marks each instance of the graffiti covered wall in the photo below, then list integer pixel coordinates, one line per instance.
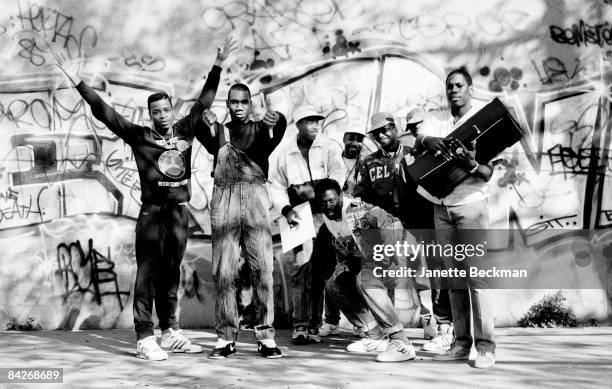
(69, 189)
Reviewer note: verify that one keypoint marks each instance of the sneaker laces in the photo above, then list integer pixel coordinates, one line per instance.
(443, 339)
(398, 344)
(148, 344)
(370, 343)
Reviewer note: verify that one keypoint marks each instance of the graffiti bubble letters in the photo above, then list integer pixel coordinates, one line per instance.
(582, 33)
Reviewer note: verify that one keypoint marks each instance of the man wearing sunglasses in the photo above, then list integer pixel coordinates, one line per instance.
(380, 184)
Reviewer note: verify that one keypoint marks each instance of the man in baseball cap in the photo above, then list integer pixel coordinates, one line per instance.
(306, 158)
(381, 184)
(304, 112)
(414, 118)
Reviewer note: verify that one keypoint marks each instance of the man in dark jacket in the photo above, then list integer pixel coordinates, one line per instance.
(163, 157)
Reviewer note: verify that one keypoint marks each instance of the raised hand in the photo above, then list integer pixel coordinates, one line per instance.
(70, 69)
(270, 119)
(210, 119)
(223, 51)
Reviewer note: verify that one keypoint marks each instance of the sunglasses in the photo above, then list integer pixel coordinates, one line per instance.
(380, 130)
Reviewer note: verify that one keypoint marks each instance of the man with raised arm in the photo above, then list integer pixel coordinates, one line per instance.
(163, 158)
(240, 217)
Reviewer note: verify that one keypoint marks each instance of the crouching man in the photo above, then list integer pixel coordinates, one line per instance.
(354, 228)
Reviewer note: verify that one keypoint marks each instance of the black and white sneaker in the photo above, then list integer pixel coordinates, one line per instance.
(222, 350)
(313, 335)
(269, 350)
(300, 336)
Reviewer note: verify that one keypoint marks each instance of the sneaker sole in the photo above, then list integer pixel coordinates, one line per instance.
(272, 356)
(150, 359)
(221, 356)
(466, 358)
(397, 360)
(439, 349)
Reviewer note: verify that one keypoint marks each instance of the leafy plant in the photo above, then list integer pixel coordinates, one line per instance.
(29, 325)
(548, 313)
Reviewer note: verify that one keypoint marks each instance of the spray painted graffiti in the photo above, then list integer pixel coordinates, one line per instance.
(583, 33)
(88, 272)
(39, 25)
(62, 171)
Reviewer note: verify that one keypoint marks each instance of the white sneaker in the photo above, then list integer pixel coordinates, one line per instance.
(430, 327)
(175, 341)
(329, 329)
(442, 341)
(367, 345)
(397, 351)
(148, 348)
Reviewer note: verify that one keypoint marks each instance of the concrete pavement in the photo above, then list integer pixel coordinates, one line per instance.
(534, 358)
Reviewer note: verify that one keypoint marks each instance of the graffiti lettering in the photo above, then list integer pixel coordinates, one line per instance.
(42, 25)
(582, 33)
(87, 273)
(554, 70)
(13, 209)
(558, 222)
(145, 63)
(573, 161)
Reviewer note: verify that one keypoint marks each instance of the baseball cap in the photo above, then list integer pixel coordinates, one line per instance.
(415, 115)
(305, 112)
(380, 119)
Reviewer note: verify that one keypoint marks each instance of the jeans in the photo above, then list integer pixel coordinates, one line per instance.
(342, 288)
(323, 264)
(365, 301)
(459, 224)
(161, 239)
(240, 217)
(301, 281)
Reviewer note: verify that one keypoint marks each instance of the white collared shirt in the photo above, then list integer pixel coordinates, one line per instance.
(473, 189)
(290, 168)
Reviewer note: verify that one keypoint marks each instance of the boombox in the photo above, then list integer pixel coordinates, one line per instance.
(491, 130)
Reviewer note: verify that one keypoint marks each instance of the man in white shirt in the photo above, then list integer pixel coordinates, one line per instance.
(464, 209)
(307, 157)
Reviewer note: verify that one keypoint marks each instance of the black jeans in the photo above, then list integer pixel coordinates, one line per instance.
(161, 238)
(323, 263)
